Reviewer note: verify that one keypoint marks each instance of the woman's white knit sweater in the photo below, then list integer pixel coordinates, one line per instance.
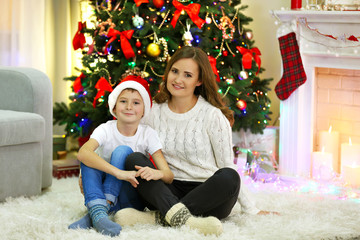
(196, 143)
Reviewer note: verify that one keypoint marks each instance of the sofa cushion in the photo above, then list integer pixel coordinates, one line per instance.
(20, 127)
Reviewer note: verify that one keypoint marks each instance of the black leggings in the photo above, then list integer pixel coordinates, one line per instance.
(214, 197)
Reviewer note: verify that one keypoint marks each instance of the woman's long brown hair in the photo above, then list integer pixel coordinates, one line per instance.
(208, 89)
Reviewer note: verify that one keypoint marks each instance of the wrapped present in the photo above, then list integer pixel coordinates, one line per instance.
(66, 168)
(268, 142)
(59, 144)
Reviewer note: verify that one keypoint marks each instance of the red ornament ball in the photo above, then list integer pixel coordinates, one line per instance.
(138, 43)
(158, 3)
(225, 53)
(241, 104)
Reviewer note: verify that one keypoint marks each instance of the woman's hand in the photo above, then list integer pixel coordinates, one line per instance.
(148, 173)
(267, 213)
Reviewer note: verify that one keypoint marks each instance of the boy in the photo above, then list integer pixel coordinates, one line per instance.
(105, 184)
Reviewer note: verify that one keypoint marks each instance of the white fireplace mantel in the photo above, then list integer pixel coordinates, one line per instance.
(320, 16)
(296, 140)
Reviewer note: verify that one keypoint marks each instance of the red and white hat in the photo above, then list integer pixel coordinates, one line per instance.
(133, 82)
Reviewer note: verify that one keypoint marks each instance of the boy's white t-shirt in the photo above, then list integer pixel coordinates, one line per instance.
(145, 140)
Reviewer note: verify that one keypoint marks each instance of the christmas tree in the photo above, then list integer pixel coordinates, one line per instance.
(141, 35)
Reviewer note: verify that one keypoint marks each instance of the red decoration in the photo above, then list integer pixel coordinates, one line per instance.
(79, 38)
(125, 44)
(296, 4)
(158, 3)
(83, 140)
(225, 53)
(341, 37)
(353, 38)
(91, 48)
(212, 61)
(138, 43)
(248, 55)
(241, 104)
(102, 85)
(192, 10)
(139, 2)
(330, 36)
(77, 83)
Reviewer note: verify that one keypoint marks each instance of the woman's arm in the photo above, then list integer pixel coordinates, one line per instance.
(247, 206)
(220, 135)
(163, 172)
(88, 156)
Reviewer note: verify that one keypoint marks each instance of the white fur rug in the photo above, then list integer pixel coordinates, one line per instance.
(305, 214)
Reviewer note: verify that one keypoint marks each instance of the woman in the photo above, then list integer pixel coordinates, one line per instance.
(194, 127)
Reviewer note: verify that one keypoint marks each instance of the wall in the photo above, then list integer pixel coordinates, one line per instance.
(264, 31)
(338, 102)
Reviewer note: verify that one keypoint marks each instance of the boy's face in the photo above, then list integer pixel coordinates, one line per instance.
(129, 107)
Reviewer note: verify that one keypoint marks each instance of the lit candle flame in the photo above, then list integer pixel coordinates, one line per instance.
(330, 129)
(350, 141)
(323, 149)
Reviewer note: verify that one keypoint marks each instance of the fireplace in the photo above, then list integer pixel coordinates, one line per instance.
(331, 57)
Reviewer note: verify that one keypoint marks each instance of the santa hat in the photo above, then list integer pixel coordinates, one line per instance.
(133, 82)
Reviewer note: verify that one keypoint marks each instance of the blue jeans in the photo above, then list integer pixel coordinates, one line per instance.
(100, 187)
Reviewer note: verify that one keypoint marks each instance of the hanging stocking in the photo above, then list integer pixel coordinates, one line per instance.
(293, 70)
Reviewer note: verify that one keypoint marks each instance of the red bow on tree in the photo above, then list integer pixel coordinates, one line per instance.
(77, 83)
(139, 2)
(191, 9)
(102, 85)
(79, 38)
(212, 61)
(248, 55)
(124, 42)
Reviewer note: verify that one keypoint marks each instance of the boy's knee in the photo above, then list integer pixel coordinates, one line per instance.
(119, 155)
(122, 150)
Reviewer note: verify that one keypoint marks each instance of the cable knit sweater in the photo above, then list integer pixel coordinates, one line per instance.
(196, 143)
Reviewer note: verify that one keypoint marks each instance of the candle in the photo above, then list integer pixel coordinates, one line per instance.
(321, 165)
(350, 162)
(350, 153)
(351, 174)
(329, 141)
(296, 4)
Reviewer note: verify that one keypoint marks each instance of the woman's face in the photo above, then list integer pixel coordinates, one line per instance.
(183, 78)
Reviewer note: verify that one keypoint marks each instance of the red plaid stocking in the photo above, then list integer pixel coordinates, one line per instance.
(293, 70)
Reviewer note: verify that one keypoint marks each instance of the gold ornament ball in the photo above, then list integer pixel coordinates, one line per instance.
(153, 50)
(145, 74)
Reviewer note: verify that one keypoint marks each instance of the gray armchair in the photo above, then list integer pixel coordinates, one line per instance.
(25, 132)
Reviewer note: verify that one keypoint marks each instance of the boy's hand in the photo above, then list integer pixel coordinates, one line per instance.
(148, 173)
(129, 176)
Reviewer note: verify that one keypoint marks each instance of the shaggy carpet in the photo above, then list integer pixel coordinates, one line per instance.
(307, 211)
